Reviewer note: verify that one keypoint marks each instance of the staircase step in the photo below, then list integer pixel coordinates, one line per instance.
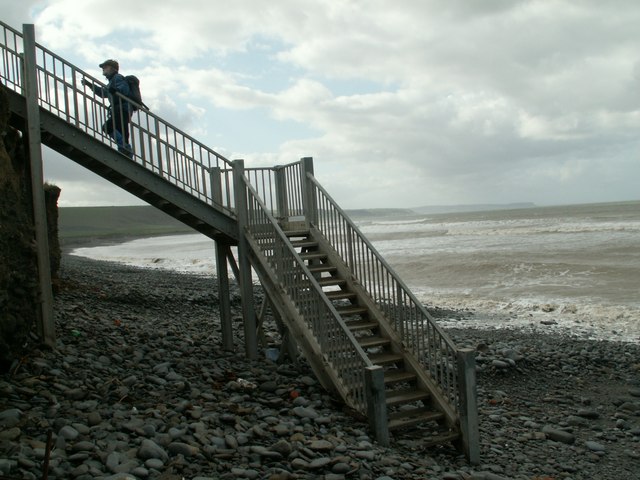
(362, 325)
(331, 282)
(369, 342)
(313, 256)
(415, 416)
(296, 233)
(385, 358)
(352, 310)
(322, 269)
(340, 295)
(304, 244)
(397, 376)
(398, 397)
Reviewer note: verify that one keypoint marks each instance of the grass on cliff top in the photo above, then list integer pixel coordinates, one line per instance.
(75, 223)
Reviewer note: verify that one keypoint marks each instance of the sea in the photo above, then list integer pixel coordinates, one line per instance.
(572, 270)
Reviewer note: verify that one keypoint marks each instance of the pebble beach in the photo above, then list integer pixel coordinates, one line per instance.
(139, 387)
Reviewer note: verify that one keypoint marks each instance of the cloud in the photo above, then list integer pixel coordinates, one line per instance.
(454, 102)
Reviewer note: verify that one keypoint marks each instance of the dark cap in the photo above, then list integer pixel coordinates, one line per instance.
(110, 63)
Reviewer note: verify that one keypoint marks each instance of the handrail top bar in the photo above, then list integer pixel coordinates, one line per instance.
(274, 167)
(8, 27)
(409, 293)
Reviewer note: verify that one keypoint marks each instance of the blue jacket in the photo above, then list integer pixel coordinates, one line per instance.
(117, 83)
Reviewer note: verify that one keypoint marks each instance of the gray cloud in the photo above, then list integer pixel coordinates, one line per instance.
(466, 101)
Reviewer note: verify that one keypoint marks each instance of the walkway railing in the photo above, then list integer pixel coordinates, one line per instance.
(157, 145)
(418, 330)
(337, 344)
(280, 188)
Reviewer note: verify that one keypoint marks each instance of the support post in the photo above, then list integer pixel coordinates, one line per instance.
(470, 441)
(222, 251)
(281, 194)
(309, 200)
(224, 295)
(47, 324)
(376, 404)
(246, 283)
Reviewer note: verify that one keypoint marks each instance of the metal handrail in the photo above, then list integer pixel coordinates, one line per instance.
(157, 145)
(339, 347)
(279, 187)
(418, 330)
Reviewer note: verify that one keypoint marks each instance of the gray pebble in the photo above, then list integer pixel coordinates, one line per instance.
(149, 449)
(558, 435)
(10, 417)
(180, 448)
(594, 446)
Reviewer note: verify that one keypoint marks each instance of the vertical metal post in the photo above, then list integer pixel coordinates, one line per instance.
(223, 291)
(376, 404)
(308, 192)
(222, 252)
(215, 178)
(468, 405)
(281, 193)
(246, 284)
(47, 325)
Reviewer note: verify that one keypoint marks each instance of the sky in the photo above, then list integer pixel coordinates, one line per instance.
(401, 104)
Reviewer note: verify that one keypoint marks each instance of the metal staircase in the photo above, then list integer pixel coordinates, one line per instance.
(406, 389)
(363, 332)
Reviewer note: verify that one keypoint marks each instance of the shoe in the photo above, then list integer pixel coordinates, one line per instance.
(126, 150)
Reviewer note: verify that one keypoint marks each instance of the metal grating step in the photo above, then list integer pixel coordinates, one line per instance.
(386, 358)
(398, 376)
(331, 282)
(369, 342)
(412, 417)
(398, 397)
(313, 256)
(296, 233)
(362, 325)
(340, 295)
(352, 310)
(304, 244)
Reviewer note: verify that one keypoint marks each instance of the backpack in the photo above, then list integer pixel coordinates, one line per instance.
(134, 89)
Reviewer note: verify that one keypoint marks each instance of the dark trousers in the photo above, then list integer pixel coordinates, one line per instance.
(117, 126)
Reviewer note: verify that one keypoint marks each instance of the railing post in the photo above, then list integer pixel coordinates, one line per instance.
(281, 193)
(47, 326)
(215, 178)
(376, 404)
(309, 197)
(223, 251)
(159, 149)
(246, 284)
(468, 405)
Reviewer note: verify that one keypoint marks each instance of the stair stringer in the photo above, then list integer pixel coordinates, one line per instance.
(411, 362)
(296, 325)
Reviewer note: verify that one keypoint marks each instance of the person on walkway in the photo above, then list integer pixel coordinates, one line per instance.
(117, 123)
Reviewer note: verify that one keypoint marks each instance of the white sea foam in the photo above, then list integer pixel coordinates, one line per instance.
(184, 253)
(581, 320)
(583, 260)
